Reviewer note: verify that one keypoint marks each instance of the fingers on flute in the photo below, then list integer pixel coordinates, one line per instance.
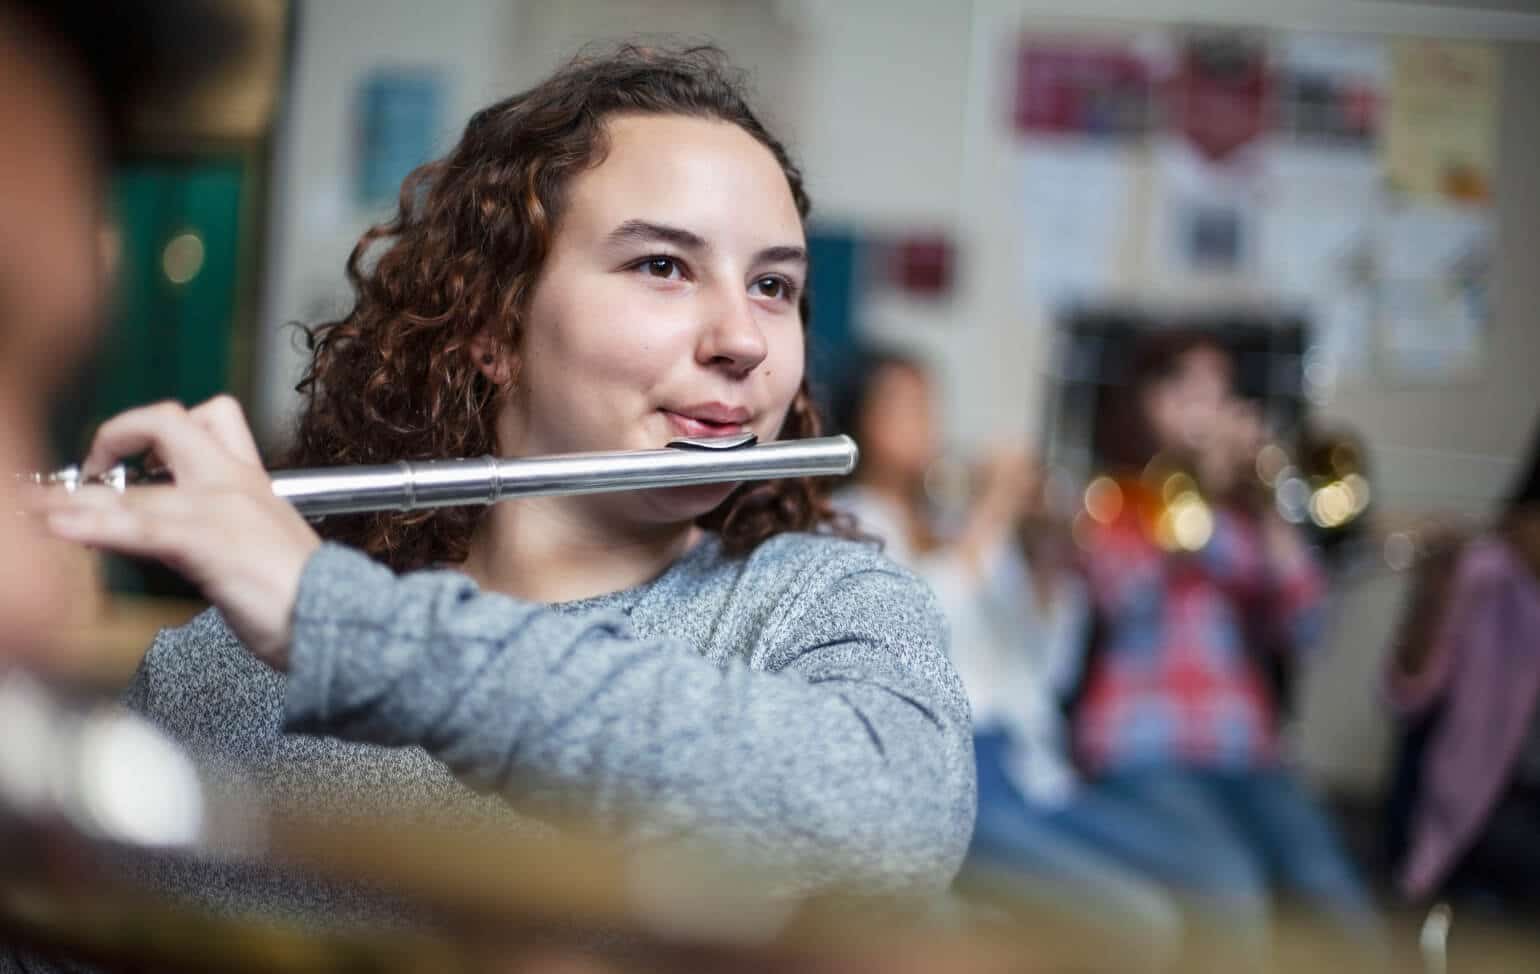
(164, 428)
(193, 443)
(152, 522)
(224, 420)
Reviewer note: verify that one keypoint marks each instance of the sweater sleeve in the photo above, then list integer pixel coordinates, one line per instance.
(849, 764)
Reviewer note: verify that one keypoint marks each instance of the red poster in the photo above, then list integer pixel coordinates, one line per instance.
(1082, 88)
(920, 263)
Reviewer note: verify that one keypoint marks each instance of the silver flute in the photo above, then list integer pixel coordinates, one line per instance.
(407, 486)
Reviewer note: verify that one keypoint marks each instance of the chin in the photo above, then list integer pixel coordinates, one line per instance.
(685, 504)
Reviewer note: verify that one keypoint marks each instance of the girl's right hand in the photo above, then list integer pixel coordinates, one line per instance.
(219, 523)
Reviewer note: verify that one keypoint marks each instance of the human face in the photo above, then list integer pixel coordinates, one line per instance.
(667, 306)
(1185, 408)
(899, 439)
(51, 282)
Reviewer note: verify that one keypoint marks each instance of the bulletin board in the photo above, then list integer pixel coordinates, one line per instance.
(1345, 180)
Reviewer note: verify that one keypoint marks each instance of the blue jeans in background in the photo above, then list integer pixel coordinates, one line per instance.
(1242, 834)
(1052, 852)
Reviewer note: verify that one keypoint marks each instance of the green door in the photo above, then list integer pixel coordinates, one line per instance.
(177, 289)
(170, 333)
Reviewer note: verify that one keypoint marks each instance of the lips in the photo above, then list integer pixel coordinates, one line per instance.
(708, 419)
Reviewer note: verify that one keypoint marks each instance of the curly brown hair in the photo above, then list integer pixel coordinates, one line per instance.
(393, 379)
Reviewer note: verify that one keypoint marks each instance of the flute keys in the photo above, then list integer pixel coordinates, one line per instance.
(71, 478)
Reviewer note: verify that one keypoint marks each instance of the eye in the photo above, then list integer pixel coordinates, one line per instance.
(662, 267)
(775, 287)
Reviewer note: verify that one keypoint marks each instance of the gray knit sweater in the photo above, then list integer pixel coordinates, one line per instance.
(795, 705)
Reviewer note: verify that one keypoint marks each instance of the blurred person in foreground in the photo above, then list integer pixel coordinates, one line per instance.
(1018, 630)
(74, 72)
(612, 259)
(1465, 681)
(54, 264)
(1177, 714)
(70, 74)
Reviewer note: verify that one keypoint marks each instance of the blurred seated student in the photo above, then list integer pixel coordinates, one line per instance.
(1017, 636)
(1176, 714)
(1465, 681)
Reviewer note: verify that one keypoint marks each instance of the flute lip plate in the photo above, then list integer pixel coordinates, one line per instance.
(732, 442)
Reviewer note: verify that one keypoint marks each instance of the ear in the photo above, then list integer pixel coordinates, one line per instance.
(488, 355)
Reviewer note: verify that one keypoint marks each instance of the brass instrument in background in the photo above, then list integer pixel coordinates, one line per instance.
(1320, 483)
(1324, 483)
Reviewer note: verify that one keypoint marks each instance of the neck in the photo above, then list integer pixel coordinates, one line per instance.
(556, 549)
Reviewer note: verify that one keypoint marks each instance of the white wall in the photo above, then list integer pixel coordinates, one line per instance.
(312, 223)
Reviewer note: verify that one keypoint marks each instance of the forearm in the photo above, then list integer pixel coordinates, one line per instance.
(844, 775)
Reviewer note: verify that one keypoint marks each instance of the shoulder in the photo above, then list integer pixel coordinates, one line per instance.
(823, 577)
(824, 558)
(843, 608)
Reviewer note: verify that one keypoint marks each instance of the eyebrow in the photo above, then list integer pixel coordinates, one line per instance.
(782, 255)
(641, 231)
(644, 231)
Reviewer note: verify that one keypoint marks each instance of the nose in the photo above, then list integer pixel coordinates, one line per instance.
(732, 339)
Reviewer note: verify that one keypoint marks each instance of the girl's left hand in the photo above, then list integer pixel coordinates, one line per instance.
(219, 524)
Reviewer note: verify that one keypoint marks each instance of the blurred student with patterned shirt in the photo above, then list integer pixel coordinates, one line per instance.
(1177, 712)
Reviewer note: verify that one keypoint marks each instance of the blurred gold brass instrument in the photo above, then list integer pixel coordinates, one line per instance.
(409, 486)
(513, 901)
(1322, 484)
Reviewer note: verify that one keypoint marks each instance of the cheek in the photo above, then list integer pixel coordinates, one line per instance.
(784, 365)
(598, 337)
